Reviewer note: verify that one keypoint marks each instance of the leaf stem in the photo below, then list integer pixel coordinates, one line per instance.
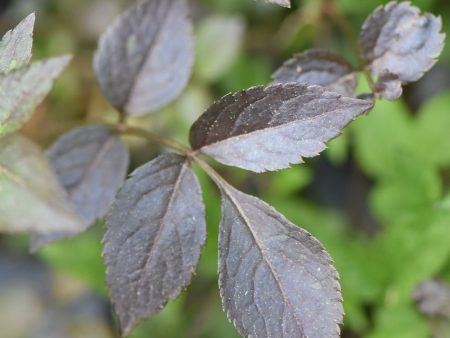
(193, 155)
(154, 137)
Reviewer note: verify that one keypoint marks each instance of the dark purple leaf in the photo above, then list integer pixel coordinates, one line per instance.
(31, 200)
(22, 90)
(144, 59)
(400, 40)
(269, 128)
(389, 86)
(275, 279)
(155, 231)
(433, 298)
(319, 67)
(16, 44)
(91, 163)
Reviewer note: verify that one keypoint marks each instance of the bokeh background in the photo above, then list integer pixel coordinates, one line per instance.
(378, 198)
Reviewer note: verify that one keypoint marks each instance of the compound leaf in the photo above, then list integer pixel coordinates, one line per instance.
(262, 129)
(275, 279)
(22, 90)
(398, 39)
(155, 231)
(31, 199)
(319, 67)
(16, 44)
(144, 59)
(91, 163)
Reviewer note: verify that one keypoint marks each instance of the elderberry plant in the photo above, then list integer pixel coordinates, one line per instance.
(275, 279)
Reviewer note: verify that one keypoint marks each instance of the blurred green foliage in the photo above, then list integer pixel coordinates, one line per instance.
(401, 151)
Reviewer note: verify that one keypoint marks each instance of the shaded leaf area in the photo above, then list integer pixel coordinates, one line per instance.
(389, 86)
(144, 59)
(16, 44)
(155, 231)
(91, 163)
(276, 279)
(263, 129)
(22, 90)
(433, 297)
(398, 39)
(31, 198)
(319, 67)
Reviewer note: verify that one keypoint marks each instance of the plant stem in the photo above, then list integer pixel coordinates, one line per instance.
(154, 137)
(191, 154)
(333, 11)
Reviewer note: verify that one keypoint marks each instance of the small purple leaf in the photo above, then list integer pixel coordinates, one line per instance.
(91, 163)
(433, 298)
(389, 86)
(398, 39)
(319, 67)
(155, 232)
(262, 129)
(144, 59)
(275, 279)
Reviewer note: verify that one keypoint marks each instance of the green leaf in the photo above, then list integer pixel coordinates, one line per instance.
(381, 137)
(432, 131)
(22, 90)
(31, 199)
(399, 321)
(86, 265)
(414, 186)
(418, 249)
(219, 40)
(16, 44)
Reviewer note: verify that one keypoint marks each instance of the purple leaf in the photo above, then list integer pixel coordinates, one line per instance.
(389, 86)
(433, 298)
(398, 39)
(275, 279)
(319, 67)
(155, 231)
(262, 129)
(144, 59)
(91, 163)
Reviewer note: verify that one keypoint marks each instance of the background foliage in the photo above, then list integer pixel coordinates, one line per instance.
(378, 199)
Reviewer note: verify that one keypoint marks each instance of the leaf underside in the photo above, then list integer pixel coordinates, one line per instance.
(275, 279)
(16, 44)
(155, 231)
(22, 90)
(263, 129)
(91, 163)
(144, 59)
(319, 67)
(31, 198)
(397, 39)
